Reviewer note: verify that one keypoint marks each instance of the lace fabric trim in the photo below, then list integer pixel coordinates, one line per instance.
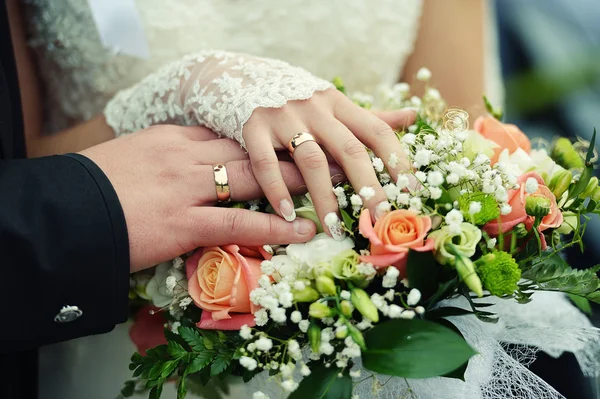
(216, 89)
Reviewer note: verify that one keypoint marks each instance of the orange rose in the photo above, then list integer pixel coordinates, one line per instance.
(516, 199)
(505, 135)
(220, 282)
(393, 235)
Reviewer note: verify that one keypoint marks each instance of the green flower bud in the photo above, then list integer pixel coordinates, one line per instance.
(362, 302)
(308, 294)
(489, 207)
(341, 332)
(499, 273)
(520, 230)
(325, 285)
(569, 223)
(346, 308)
(357, 336)
(314, 337)
(566, 155)
(596, 194)
(319, 310)
(308, 211)
(466, 271)
(560, 182)
(465, 242)
(590, 188)
(344, 265)
(537, 206)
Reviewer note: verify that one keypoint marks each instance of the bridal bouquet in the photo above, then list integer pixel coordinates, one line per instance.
(481, 215)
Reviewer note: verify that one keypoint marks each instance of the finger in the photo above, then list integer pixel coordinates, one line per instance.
(220, 151)
(243, 185)
(352, 156)
(198, 133)
(220, 226)
(400, 119)
(313, 165)
(376, 134)
(265, 166)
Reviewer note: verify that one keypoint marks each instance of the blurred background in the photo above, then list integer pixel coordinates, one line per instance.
(550, 56)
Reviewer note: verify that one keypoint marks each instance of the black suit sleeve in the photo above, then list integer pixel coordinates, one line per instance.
(63, 241)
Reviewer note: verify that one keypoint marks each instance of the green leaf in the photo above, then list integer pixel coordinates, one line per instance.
(171, 336)
(446, 311)
(590, 153)
(192, 337)
(582, 183)
(176, 350)
(181, 389)
(220, 362)
(414, 349)
(129, 389)
(582, 303)
(444, 290)
(156, 391)
(202, 360)
(422, 272)
(348, 220)
(459, 373)
(155, 371)
(497, 113)
(168, 368)
(324, 383)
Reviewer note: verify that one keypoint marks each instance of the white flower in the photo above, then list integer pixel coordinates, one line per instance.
(474, 207)
(303, 325)
(407, 314)
(289, 385)
(382, 208)
(415, 203)
(416, 101)
(394, 160)
(157, 288)
(287, 370)
(422, 158)
(414, 296)
(248, 363)
(321, 248)
(260, 395)
(356, 202)
(264, 281)
(454, 217)
(395, 311)
(345, 294)
(269, 302)
(384, 178)
(175, 327)
(531, 185)
(305, 370)
(391, 191)
(505, 209)
(420, 310)
(421, 176)
(251, 347)
(267, 267)
(178, 263)
(326, 348)
(264, 344)
(403, 199)
(501, 194)
(402, 182)
(366, 269)
(391, 277)
(378, 164)
(367, 193)
(452, 178)
(299, 285)
(296, 316)
(364, 324)
(434, 94)
(286, 299)
(278, 315)
(435, 193)
(389, 295)
(454, 229)
(261, 317)
(435, 178)
(423, 74)
(245, 332)
(409, 138)
(491, 243)
(185, 302)
(341, 196)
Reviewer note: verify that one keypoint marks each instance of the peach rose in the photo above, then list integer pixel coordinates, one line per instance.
(393, 235)
(516, 199)
(147, 329)
(220, 282)
(505, 135)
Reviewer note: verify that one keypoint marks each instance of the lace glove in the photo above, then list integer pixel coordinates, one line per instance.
(216, 89)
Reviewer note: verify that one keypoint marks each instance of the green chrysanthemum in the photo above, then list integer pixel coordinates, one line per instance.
(499, 273)
(488, 207)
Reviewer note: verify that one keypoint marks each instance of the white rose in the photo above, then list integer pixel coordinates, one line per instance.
(476, 144)
(520, 162)
(321, 248)
(157, 286)
(545, 164)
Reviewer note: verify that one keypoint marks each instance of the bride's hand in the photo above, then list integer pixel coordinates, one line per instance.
(263, 104)
(341, 130)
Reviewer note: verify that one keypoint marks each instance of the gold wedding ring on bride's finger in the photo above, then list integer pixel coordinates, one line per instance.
(221, 183)
(298, 140)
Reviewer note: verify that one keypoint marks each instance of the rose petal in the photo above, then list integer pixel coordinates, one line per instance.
(147, 329)
(235, 322)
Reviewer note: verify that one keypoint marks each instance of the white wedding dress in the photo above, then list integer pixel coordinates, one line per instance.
(365, 42)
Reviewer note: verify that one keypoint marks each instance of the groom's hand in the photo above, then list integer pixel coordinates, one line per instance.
(164, 179)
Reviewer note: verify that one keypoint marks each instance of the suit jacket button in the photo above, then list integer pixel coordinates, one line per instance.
(67, 314)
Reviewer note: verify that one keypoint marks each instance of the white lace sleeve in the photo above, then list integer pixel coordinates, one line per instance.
(216, 89)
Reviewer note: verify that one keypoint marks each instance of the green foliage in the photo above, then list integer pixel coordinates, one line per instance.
(324, 383)
(582, 303)
(499, 273)
(192, 351)
(552, 273)
(407, 348)
(495, 112)
(422, 270)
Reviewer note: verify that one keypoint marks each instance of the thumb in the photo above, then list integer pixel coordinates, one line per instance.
(398, 119)
(220, 226)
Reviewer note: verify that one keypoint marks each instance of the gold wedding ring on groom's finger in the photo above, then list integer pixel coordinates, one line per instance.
(221, 183)
(298, 140)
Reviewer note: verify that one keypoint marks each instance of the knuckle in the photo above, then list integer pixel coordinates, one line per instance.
(354, 149)
(264, 162)
(381, 129)
(312, 157)
(234, 222)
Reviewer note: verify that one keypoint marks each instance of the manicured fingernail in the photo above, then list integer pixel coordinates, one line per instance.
(287, 210)
(334, 224)
(382, 209)
(302, 226)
